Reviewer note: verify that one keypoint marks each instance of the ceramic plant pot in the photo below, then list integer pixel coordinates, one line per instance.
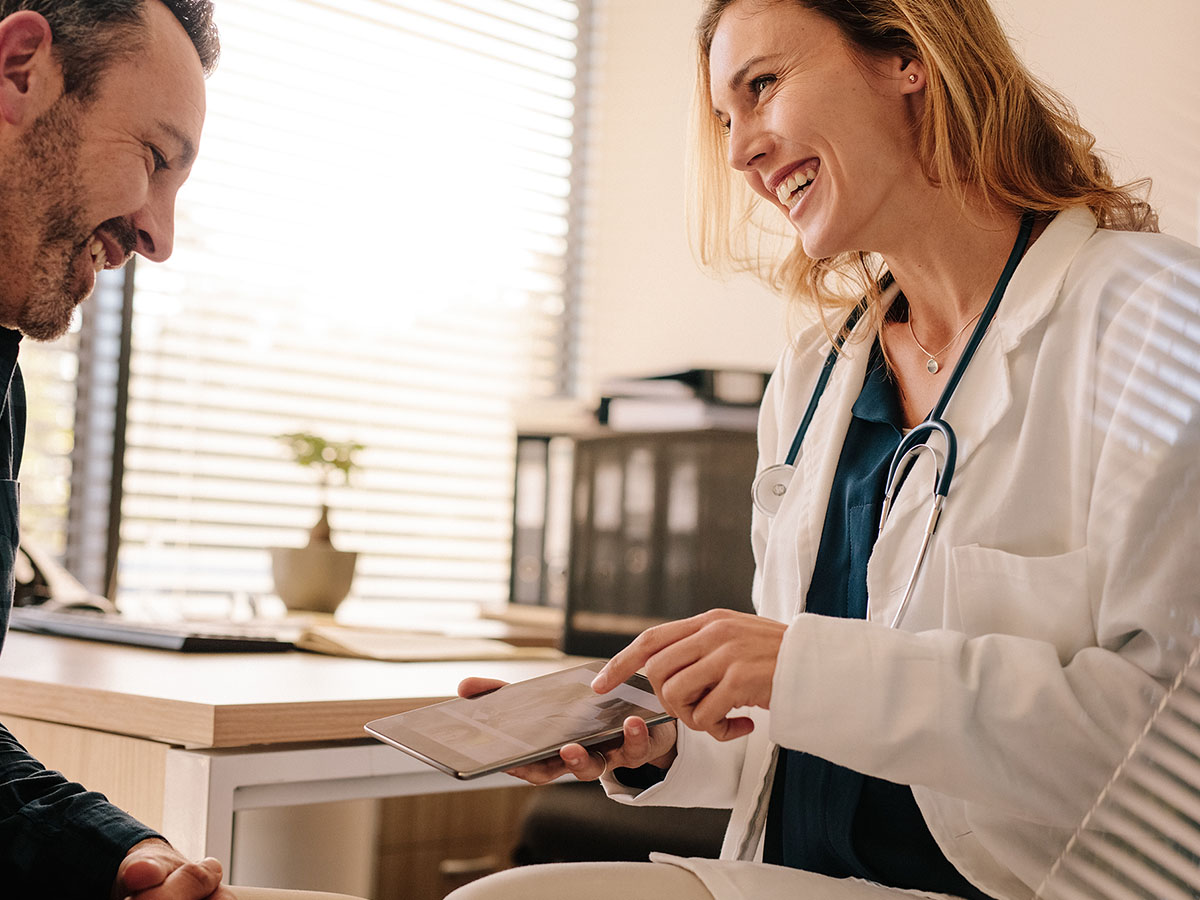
(315, 578)
(312, 578)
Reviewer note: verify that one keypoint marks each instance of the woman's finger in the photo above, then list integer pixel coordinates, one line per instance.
(477, 687)
(640, 649)
(542, 772)
(584, 764)
(635, 750)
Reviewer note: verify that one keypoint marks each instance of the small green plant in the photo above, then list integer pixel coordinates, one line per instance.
(313, 451)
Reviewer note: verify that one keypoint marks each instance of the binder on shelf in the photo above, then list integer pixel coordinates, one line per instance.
(660, 530)
(541, 520)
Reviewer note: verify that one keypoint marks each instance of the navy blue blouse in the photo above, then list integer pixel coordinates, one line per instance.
(823, 817)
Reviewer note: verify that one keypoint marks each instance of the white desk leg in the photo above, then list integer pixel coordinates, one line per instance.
(204, 788)
(197, 806)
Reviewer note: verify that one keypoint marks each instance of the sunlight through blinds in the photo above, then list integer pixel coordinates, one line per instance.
(1141, 841)
(372, 247)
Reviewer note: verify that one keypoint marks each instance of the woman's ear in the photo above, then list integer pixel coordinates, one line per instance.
(911, 73)
(30, 78)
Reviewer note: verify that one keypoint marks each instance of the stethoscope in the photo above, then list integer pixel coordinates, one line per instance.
(771, 485)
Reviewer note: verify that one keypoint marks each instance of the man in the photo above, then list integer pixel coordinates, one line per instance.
(101, 107)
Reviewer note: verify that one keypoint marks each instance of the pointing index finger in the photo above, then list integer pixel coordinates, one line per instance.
(640, 651)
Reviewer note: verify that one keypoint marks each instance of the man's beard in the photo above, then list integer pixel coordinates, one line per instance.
(40, 214)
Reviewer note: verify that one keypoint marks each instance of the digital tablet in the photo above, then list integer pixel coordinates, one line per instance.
(519, 723)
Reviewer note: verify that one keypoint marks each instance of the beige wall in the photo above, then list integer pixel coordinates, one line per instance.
(1132, 71)
(1130, 68)
(647, 307)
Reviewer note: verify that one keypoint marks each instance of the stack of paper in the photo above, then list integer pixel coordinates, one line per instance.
(411, 646)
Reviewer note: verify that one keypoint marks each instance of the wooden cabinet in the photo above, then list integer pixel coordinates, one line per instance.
(429, 845)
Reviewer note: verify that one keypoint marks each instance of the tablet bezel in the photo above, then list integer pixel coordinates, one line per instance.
(396, 731)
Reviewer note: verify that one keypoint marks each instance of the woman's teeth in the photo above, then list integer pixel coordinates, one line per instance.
(99, 256)
(793, 186)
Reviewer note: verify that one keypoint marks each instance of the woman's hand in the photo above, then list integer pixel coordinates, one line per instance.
(639, 745)
(703, 667)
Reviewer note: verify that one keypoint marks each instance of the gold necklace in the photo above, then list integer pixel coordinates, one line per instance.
(931, 364)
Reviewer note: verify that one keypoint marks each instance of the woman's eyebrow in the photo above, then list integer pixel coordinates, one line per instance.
(739, 77)
(736, 79)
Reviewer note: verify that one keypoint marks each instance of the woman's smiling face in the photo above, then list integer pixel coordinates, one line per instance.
(823, 132)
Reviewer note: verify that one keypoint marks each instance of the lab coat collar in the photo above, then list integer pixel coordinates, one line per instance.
(980, 401)
(985, 393)
(983, 398)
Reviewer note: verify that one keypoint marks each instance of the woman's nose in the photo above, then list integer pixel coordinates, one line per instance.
(747, 144)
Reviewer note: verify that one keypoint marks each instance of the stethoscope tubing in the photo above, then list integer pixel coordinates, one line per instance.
(915, 441)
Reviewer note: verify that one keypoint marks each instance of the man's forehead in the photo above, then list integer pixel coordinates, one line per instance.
(162, 85)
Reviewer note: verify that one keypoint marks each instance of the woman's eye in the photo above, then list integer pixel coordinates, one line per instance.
(761, 83)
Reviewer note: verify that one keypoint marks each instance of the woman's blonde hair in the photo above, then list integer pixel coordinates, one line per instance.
(988, 126)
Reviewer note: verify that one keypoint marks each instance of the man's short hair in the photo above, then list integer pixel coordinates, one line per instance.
(90, 35)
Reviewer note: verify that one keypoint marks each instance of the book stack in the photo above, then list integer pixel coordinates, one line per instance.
(690, 399)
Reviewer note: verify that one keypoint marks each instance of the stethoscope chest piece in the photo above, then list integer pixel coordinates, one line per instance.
(771, 486)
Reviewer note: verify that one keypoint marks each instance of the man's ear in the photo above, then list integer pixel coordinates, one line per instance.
(30, 78)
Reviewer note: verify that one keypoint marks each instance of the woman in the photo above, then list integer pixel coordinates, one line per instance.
(920, 165)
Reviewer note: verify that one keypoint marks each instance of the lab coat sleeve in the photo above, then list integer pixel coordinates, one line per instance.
(704, 774)
(1009, 723)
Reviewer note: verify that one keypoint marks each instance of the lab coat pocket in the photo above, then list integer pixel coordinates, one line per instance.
(1043, 597)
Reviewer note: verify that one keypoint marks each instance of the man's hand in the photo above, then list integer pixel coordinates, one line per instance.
(154, 870)
(703, 667)
(639, 745)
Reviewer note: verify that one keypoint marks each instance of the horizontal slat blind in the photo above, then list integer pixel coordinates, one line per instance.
(49, 371)
(1141, 840)
(371, 247)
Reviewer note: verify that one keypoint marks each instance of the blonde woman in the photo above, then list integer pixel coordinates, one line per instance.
(931, 713)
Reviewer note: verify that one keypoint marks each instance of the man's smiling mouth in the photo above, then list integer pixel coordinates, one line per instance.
(99, 254)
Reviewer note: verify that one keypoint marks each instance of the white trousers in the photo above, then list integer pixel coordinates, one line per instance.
(664, 881)
(587, 881)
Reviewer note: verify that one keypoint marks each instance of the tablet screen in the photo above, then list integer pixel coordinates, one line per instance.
(519, 723)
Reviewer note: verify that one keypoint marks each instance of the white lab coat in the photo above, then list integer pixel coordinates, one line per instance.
(1060, 593)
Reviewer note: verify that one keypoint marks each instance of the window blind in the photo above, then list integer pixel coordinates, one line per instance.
(373, 246)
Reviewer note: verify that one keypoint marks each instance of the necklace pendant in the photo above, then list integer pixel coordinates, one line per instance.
(932, 366)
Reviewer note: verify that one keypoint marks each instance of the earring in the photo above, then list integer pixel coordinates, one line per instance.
(912, 78)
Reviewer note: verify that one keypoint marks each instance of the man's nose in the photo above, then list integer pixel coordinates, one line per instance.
(155, 227)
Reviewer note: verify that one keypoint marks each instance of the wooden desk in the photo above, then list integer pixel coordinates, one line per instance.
(183, 741)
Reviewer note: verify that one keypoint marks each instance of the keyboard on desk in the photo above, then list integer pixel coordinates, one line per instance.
(188, 637)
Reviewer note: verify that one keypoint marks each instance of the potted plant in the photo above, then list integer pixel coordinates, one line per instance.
(316, 577)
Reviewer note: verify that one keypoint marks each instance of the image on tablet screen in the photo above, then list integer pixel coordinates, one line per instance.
(532, 719)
